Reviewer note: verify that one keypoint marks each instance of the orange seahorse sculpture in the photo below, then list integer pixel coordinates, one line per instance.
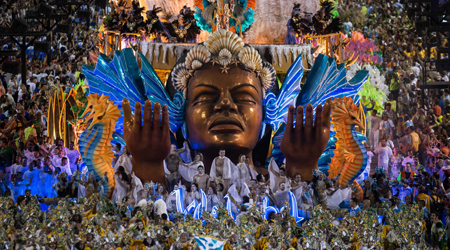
(95, 142)
(350, 155)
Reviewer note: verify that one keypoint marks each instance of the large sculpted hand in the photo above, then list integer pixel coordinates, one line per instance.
(303, 145)
(149, 144)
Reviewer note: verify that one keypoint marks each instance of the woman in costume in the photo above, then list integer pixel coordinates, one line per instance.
(191, 169)
(133, 23)
(194, 195)
(124, 161)
(161, 192)
(116, 20)
(242, 175)
(150, 243)
(212, 199)
(184, 29)
(320, 188)
(182, 243)
(122, 185)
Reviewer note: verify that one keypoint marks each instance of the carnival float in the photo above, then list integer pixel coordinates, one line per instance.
(147, 58)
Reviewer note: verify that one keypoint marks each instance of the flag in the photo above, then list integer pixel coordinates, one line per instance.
(209, 243)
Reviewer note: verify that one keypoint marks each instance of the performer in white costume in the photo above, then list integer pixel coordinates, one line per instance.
(73, 155)
(366, 173)
(277, 175)
(124, 161)
(242, 175)
(122, 185)
(374, 132)
(251, 168)
(190, 170)
(297, 189)
(222, 170)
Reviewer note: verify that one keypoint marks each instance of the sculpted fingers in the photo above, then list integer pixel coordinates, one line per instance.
(318, 121)
(156, 117)
(127, 116)
(299, 120)
(308, 119)
(165, 127)
(137, 117)
(147, 118)
(290, 121)
(326, 114)
(165, 120)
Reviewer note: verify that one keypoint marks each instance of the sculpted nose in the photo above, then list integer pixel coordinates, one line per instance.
(225, 103)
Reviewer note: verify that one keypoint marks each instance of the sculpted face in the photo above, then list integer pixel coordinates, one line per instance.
(224, 110)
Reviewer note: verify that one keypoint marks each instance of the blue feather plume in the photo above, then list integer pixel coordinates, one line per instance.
(121, 78)
(326, 80)
(276, 107)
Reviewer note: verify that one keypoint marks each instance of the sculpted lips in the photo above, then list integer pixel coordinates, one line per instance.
(226, 124)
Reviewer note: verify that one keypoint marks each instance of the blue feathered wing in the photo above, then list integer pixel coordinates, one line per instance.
(325, 80)
(328, 80)
(276, 107)
(122, 78)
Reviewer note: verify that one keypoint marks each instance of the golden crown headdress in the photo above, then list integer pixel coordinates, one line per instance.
(222, 47)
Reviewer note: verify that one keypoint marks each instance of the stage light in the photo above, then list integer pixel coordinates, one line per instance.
(443, 64)
(84, 14)
(100, 3)
(11, 67)
(44, 9)
(63, 28)
(42, 46)
(19, 26)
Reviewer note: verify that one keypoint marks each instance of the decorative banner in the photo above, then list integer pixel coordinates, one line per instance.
(209, 243)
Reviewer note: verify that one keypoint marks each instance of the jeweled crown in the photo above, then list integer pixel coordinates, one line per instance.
(223, 47)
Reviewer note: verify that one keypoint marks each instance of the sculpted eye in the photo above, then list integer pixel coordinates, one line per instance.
(244, 98)
(204, 98)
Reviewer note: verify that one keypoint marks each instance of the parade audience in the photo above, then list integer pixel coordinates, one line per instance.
(50, 199)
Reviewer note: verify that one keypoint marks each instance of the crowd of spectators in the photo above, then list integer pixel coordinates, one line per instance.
(408, 175)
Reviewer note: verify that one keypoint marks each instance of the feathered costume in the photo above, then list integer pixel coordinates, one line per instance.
(117, 19)
(154, 27)
(322, 22)
(293, 25)
(135, 21)
(186, 32)
(243, 11)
